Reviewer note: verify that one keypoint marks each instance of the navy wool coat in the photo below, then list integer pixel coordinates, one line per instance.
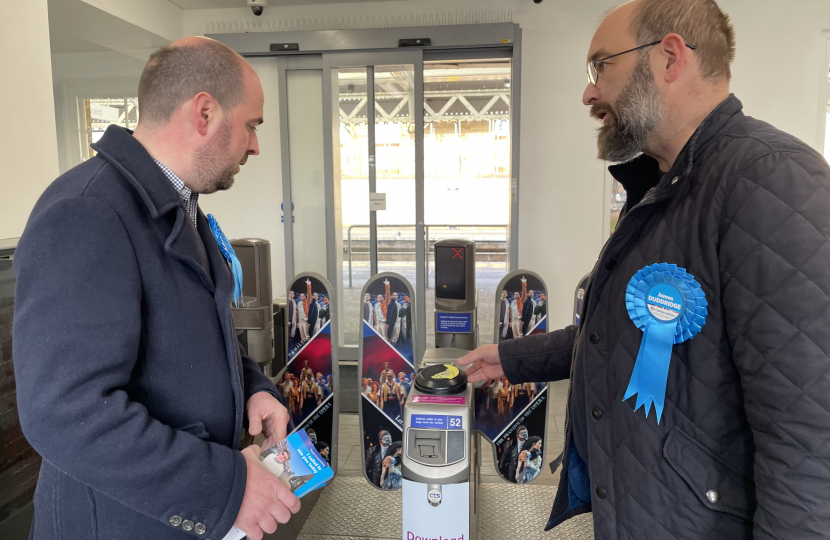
(130, 381)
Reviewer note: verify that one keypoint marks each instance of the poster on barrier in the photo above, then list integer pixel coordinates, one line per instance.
(309, 381)
(386, 368)
(512, 416)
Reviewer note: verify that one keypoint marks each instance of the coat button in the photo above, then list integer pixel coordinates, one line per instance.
(713, 496)
(175, 520)
(596, 413)
(675, 179)
(200, 528)
(187, 525)
(594, 338)
(610, 264)
(601, 492)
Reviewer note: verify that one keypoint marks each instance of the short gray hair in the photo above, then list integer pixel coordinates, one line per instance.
(177, 72)
(700, 22)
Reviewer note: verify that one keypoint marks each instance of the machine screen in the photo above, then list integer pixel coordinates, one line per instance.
(450, 272)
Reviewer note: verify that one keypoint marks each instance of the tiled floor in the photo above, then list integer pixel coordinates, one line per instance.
(349, 451)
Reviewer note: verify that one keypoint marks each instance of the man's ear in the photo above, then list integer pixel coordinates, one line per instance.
(673, 58)
(204, 112)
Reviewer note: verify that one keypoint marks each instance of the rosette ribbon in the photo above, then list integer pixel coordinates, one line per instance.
(668, 305)
(230, 256)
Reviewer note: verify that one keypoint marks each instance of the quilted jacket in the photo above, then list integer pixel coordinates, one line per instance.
(743, 447)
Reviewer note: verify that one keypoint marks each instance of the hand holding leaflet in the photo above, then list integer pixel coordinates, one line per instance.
(296, 463)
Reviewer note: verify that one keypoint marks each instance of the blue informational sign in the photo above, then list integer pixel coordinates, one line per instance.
(456, 323)
(436, 421)
(430, 421)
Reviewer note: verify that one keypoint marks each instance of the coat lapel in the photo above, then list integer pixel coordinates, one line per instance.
(129, 156)
(223, 278)
(219, 271)
(184, 244)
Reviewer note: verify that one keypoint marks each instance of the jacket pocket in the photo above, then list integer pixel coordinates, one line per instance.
(197, 429)
(711, 479)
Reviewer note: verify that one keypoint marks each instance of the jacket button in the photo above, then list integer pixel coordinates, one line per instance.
(594, 338)
(713, 496)
(175, 520)
(200, 528)
(596, 413)
(601, 492)
(187, 525)
(610, 264)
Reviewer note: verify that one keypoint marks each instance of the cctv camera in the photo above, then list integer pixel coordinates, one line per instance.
(257, 6)
(537, 1)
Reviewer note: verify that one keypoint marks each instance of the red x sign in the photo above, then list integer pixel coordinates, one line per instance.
(458, 253)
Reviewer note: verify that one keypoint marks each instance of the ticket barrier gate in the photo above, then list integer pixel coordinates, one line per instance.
(440, 476)
(436, 434)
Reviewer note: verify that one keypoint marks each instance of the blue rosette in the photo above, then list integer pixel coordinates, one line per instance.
(668, 305)
(230, 255)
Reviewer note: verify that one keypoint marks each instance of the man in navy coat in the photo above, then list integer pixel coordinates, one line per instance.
(130, 381)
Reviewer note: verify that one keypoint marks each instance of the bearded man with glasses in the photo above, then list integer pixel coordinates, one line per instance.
(724, 241)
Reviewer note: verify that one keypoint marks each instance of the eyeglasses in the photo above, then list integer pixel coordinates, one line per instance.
(595, 67)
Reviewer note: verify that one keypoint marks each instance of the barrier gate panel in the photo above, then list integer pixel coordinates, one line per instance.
(386, 367)
(310, 378)
(513, 417)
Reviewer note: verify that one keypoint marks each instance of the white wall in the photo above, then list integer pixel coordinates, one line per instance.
(28, 149)
(562, 194)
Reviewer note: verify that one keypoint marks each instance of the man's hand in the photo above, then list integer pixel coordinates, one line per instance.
(266, 415)
(266, 501)
(485, 364)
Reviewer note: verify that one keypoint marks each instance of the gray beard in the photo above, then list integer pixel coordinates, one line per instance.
(637, 112)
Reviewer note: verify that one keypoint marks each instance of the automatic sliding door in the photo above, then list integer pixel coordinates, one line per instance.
(467, 162)
(354, 194)
(374, 145)
(395, 168)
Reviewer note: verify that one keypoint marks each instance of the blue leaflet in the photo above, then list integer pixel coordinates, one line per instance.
(227, 252)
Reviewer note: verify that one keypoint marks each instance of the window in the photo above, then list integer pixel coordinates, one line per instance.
(95, 115)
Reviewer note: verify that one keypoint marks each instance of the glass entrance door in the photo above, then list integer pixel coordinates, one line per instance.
(434, 137)
(374, 153)
(376, 157)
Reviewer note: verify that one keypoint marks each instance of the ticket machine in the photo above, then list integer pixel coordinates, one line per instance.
(456, 295)
(440, 478)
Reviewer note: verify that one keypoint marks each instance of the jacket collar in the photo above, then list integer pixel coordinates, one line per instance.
(119, 148)
(125, 153)
(643, 173)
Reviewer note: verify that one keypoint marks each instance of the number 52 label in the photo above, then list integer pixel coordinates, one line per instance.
(454, 422)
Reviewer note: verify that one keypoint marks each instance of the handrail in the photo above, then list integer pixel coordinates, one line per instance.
(426, 234)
